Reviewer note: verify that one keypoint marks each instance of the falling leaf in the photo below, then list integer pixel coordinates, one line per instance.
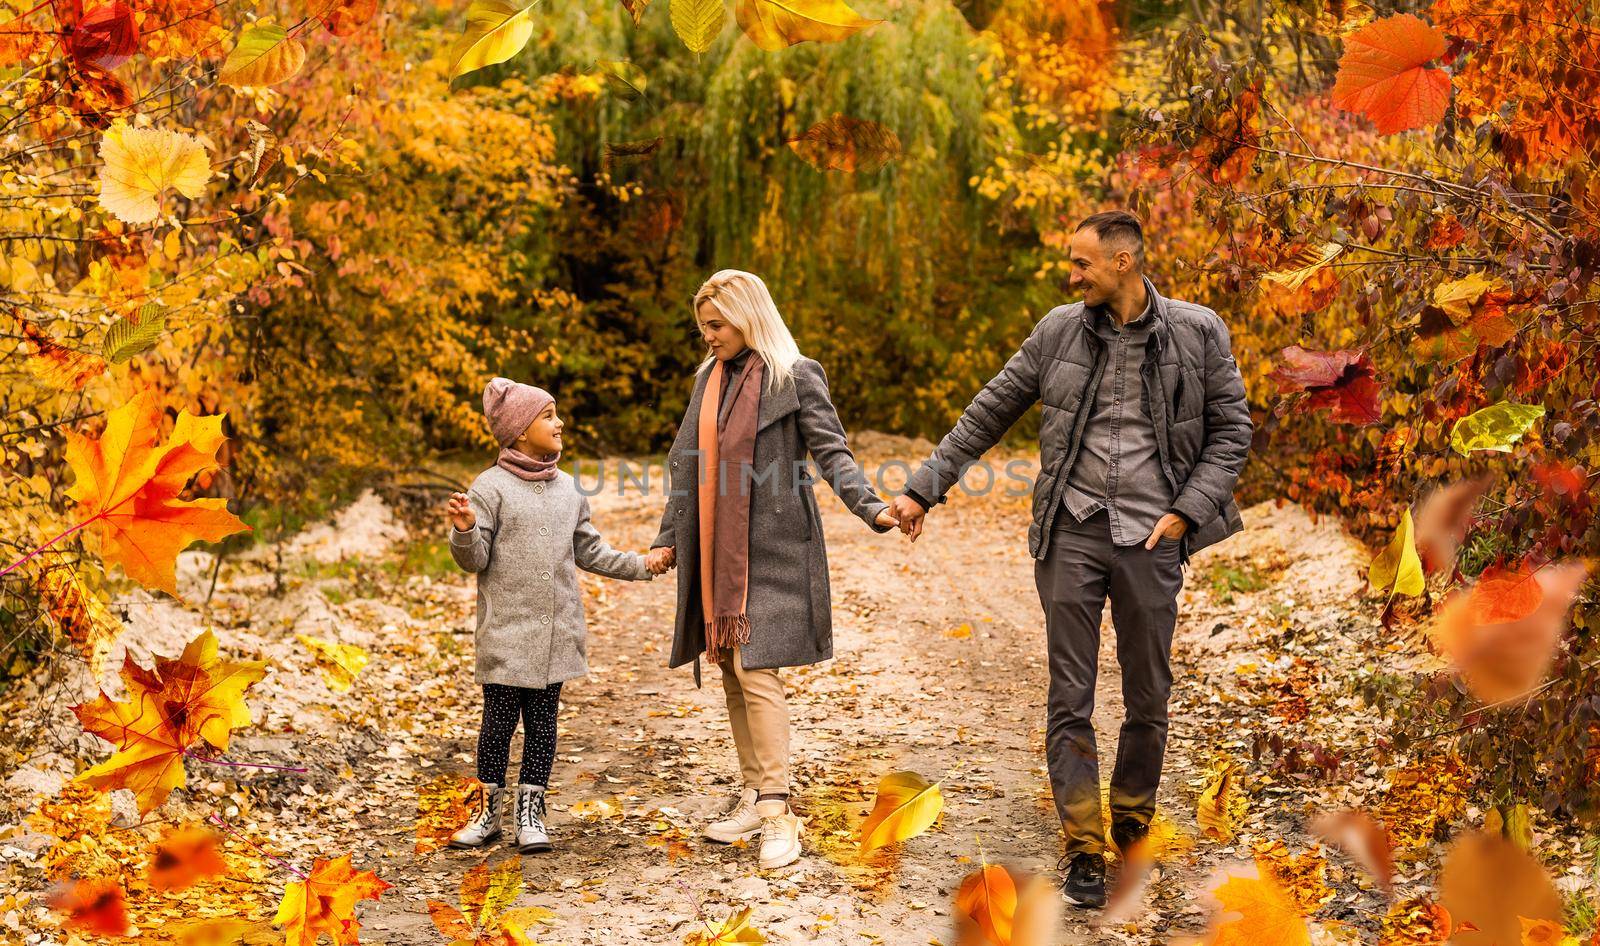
(1502, 656)
(1443, 518)
(1384, 74)
(442, 809)
(1397, 570)
(339, 663)
(105, 37)
(1256, 912)
(1496, 427)
(54, 363)
(130, 336)
(265, 55)
(989, 897)
(624, 152)
(1457, 297)
(325, 902)
(345, 17)
(81, 616)
(263, 151)
(624, 79)
(1307, 263)
(778, 24)
(95, 905)
(127, 485)
(139, 164)
(635, 9)
(842, 143)
(1490, 883)
(184, 856)
(1364, 839)
(197, 696)
(1220, 804)
(1342, 380)
(697, 22)
(907, 805)
(495, 31)
(735, 929)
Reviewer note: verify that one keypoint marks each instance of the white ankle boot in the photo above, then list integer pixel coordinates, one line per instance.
(780, 834)
(484, 826)
(532, 837)
(740, 823)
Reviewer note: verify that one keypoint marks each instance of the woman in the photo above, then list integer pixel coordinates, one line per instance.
(757, 409)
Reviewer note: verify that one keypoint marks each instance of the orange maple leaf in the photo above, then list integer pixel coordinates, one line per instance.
(1258, 913)
(95, 905)
(129, 486)
(1384, 75)
(198, 696)
(184, 856)
(325, 902)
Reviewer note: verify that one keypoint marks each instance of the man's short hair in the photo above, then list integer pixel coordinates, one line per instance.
(1118, 228)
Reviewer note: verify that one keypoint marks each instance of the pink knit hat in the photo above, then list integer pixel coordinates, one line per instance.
(511, 407)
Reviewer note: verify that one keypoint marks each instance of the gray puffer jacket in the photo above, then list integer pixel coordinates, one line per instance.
(1192, 391)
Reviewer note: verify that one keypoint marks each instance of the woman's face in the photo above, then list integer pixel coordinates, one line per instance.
(718, 333)
(543, 436)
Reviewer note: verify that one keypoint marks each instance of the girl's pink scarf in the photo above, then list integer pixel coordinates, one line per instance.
(728, 451)
(528, 468)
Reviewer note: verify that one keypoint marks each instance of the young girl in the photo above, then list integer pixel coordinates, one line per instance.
(522, 527)
(753, 593)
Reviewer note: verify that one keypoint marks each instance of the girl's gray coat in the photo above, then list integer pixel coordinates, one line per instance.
(791, 619)
(529, 541)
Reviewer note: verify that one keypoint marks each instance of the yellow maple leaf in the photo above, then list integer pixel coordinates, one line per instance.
(907, 805)
(1256, 912)
(138, 164)
(128, 486)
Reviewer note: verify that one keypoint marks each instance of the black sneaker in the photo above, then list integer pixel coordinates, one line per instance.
(1126, 833)
(1085, 885)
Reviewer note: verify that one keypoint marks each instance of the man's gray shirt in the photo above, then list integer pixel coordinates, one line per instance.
(1118, 467)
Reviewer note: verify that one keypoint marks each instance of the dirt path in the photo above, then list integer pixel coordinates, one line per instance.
(940, 670)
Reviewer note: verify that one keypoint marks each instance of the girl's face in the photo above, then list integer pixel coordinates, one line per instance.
(718, 333)
(543, 436)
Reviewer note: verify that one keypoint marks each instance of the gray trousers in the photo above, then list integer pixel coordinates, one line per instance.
(1080, 571)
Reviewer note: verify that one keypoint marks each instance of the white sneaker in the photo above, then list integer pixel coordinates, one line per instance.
(780, 834)
(739, 823)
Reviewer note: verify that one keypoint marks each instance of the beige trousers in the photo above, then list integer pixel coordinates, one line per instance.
(759, 715)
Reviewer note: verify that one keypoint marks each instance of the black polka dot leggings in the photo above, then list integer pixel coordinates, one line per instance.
(501, 706)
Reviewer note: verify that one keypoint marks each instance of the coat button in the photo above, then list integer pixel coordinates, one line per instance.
(538, 487)
(544, 530)
(545, 575)
(544, 619)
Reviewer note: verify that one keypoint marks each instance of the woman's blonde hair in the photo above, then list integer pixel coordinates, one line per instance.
(742, 298)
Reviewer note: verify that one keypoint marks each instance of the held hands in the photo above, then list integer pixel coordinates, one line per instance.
(886, 518)
(1171, 526)
(460, 512)
(657, 561)
(909, 514)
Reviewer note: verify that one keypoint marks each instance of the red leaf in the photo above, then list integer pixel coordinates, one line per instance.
(1383, 74)
(95, 905)
(105, 37)
(1342, 380)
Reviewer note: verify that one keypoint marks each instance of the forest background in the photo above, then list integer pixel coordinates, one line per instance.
(329, 223)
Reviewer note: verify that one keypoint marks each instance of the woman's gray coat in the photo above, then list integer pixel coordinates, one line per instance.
(530, 539)
(791, 618)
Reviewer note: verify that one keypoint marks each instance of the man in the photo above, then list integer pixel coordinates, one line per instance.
(1145, 430)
